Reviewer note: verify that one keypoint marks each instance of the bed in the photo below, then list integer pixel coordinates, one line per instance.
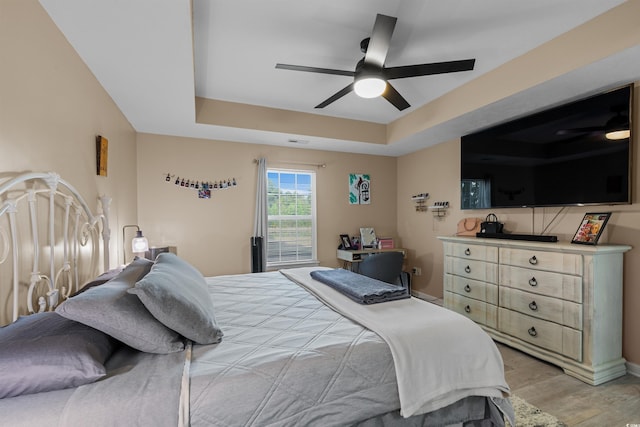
(155, 343)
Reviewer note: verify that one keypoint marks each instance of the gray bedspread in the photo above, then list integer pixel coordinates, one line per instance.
(141, 389)
(307, 365)
(286, 360)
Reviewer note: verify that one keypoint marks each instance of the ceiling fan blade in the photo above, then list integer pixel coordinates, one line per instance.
(380, 40)
(581, 130)
(336, 96)
(428, 69)
(394, 97)
(315, 70)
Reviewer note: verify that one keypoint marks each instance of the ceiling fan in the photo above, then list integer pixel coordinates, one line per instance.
(371, 77)
(617, 127)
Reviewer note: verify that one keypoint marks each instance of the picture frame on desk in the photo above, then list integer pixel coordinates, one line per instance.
(345, 242)
(367, 237)
(591, 228)
(355, 243)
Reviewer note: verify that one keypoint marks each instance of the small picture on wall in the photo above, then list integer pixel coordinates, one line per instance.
(102, 154)
(359, 189)
(591, 227)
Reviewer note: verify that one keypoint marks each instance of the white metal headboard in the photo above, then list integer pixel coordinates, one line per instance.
(49, 242)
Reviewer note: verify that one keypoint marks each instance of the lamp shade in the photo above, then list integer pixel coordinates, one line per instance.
(139, 243)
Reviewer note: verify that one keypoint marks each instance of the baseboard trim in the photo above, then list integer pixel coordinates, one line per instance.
(427, 297)
(423, 296)
(633, 369)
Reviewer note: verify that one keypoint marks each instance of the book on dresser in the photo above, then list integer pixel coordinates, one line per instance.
(559, 302)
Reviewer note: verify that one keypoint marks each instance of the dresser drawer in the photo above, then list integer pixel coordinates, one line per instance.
(470, 251)
(546, 283)
(555, 310)
(472, 269)
(470, 288)
(478, 311)
(551, 336)
(541, 260)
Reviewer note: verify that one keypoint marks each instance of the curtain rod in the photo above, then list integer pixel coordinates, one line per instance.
(318, 165)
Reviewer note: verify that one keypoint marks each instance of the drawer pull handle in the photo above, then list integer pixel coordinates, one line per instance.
(532, 331)
(533, 306)
(467, 309)
(467, 251)
(533, 260)
(533, 281)
(467, 288)
(467, 269)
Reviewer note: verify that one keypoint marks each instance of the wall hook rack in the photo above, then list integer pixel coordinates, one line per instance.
(439, 209)
(421, 201)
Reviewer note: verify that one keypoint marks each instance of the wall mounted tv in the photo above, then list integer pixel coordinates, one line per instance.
(559, 157)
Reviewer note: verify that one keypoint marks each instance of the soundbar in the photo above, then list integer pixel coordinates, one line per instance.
(529, 237)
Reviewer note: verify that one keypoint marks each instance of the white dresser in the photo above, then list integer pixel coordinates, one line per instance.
(560, 302)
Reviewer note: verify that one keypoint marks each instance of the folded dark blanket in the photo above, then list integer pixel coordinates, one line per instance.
(361, 289)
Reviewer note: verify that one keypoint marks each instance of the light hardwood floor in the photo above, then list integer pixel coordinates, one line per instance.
(612, 404)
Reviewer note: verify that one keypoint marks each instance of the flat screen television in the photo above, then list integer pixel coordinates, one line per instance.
(558, 157)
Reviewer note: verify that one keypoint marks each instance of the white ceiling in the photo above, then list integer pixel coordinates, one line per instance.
(155, 56)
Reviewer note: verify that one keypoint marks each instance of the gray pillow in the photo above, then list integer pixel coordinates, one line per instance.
(110, 309)
(176, 293)
(45, 352)
(103, 278)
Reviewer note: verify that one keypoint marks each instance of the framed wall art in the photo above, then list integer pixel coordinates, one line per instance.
(102, 154)
(591, 228)
(359, 189)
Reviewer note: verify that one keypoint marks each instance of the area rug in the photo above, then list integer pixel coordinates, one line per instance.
(528, 415)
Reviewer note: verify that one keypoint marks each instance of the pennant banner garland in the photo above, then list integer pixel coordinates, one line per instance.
(203, 188)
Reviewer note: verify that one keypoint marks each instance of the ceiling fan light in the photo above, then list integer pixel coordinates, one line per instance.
(618, 134)
(369, 87)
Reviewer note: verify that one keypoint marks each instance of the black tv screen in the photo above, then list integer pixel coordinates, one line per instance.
(558, 157)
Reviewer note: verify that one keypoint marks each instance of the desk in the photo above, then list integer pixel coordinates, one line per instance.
(355, 256)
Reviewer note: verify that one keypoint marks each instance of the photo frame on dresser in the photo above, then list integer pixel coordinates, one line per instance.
(591, 228)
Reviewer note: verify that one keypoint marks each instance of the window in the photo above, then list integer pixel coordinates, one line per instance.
(476, 193)
(291, 215)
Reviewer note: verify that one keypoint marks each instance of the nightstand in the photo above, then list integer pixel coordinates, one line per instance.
(153, 252)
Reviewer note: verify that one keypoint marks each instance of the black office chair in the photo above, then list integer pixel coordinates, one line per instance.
(387, 267)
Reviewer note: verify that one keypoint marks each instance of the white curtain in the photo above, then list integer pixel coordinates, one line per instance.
(259, 239)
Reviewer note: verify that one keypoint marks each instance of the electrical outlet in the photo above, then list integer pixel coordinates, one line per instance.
(416, 271)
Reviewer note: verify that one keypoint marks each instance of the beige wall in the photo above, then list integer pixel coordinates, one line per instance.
(436, 170)
(214, 234)
(51, 109)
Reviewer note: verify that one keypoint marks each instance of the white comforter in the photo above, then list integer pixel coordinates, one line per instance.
(440, 356)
